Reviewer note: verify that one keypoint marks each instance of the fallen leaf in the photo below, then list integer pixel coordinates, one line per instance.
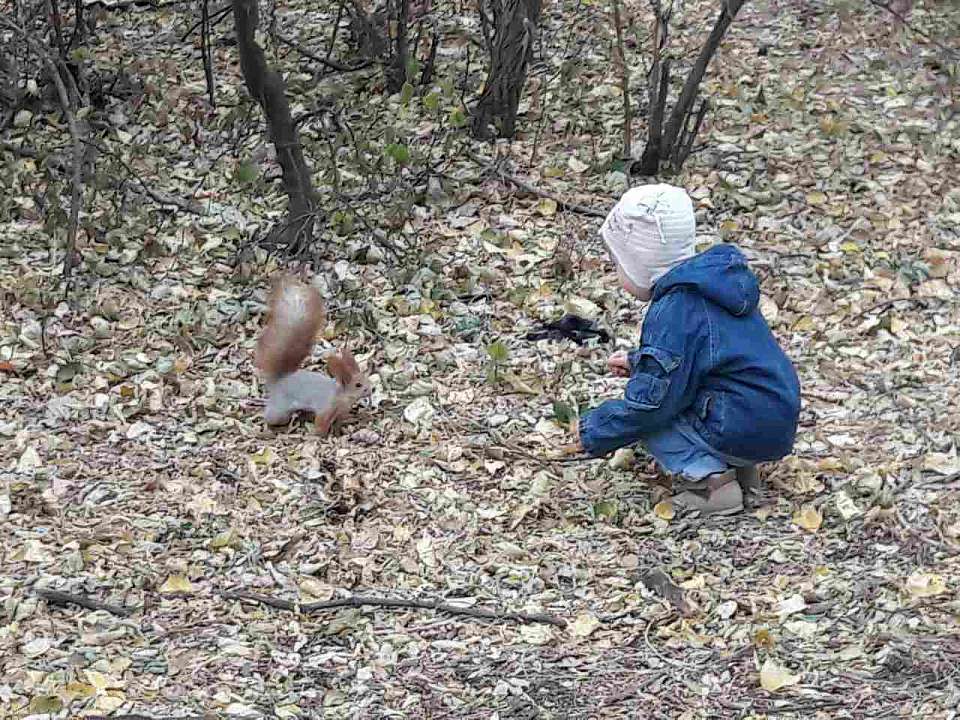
(582, 307)
(790, 605)
(846, 506)
(922, 585)
(547, 207)
(622, 459)
(29, 460)
(536, 634)
(176, 584)
(808, 517)
(664, 510)
(426, 552)
(584, 625)
(942, 463)
(774, 676)
(420, 411)
(726, 610)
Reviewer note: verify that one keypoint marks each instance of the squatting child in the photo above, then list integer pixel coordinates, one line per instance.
(711, 393)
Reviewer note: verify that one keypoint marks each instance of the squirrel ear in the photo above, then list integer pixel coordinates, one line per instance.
(338, 368)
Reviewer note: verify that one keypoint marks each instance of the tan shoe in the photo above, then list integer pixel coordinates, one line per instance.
(717, 494)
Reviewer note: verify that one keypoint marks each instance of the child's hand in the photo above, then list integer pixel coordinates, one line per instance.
(619, 364)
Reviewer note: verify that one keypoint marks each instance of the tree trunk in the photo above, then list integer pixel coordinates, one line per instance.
(397, 72)
(677, 136)
(678, 117)
(509, 36)
(266, 86)
(624, 83)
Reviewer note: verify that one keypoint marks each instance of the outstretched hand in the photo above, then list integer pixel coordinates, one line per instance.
(619, 364)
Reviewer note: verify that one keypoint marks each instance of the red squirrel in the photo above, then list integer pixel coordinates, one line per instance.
(295, 315)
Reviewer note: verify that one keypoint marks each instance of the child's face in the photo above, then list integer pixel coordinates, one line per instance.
(641, 294)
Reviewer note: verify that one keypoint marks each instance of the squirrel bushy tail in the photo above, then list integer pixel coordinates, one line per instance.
(295, 316)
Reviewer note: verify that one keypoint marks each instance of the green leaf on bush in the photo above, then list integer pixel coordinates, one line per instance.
(457, 117)
(400, 154)
(406, 93)
(431, 102)
(498, 352)
(246, 172)
(563, 413)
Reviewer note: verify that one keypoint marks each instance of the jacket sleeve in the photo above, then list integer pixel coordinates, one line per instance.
(663, 380)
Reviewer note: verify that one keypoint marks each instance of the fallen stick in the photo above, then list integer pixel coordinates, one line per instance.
(58, 597)
(884, 304)
(161, 198)
(527, 187)
(366, 600)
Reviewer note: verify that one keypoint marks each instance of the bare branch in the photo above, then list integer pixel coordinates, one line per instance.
(67, 107)
(362, 601)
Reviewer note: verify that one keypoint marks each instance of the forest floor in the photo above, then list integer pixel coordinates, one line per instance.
(137, 471)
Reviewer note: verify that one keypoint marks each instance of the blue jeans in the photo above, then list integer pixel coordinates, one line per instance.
(680, 451)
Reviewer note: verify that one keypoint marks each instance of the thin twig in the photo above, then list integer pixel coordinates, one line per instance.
(161, 198)
(76, 177)
(527, 187)
(207, 51)
(326, 62)
(58, 597)
(913, 28)
(362, 601)
(884, 304)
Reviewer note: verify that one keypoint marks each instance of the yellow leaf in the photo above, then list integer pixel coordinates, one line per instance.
(925, 585)
(773, 677)
(223, 539)
(547, 207)
(850, 247)
(77, 690)
(808, 517)
(45, 704)
(176, 584)
(97, 680)
(664, 510)
(264, 457)
(816, 198)
(762, 639)
(584, 625)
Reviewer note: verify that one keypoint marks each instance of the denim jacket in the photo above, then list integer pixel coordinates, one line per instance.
(706, 357)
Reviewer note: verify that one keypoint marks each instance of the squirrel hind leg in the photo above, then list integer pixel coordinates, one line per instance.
(324, 421)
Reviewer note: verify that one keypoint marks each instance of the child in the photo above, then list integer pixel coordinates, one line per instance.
(710, 391)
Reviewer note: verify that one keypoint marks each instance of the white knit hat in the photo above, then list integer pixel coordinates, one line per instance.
(649, 231)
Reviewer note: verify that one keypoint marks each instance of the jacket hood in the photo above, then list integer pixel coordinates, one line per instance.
(719, 274)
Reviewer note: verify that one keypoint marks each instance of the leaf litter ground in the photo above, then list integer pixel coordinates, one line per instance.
(139, 475)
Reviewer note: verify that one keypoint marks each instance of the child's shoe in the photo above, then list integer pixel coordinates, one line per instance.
(749, 480)
(717, 494)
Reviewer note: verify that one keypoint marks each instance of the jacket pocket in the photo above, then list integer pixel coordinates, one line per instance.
(651, 379)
